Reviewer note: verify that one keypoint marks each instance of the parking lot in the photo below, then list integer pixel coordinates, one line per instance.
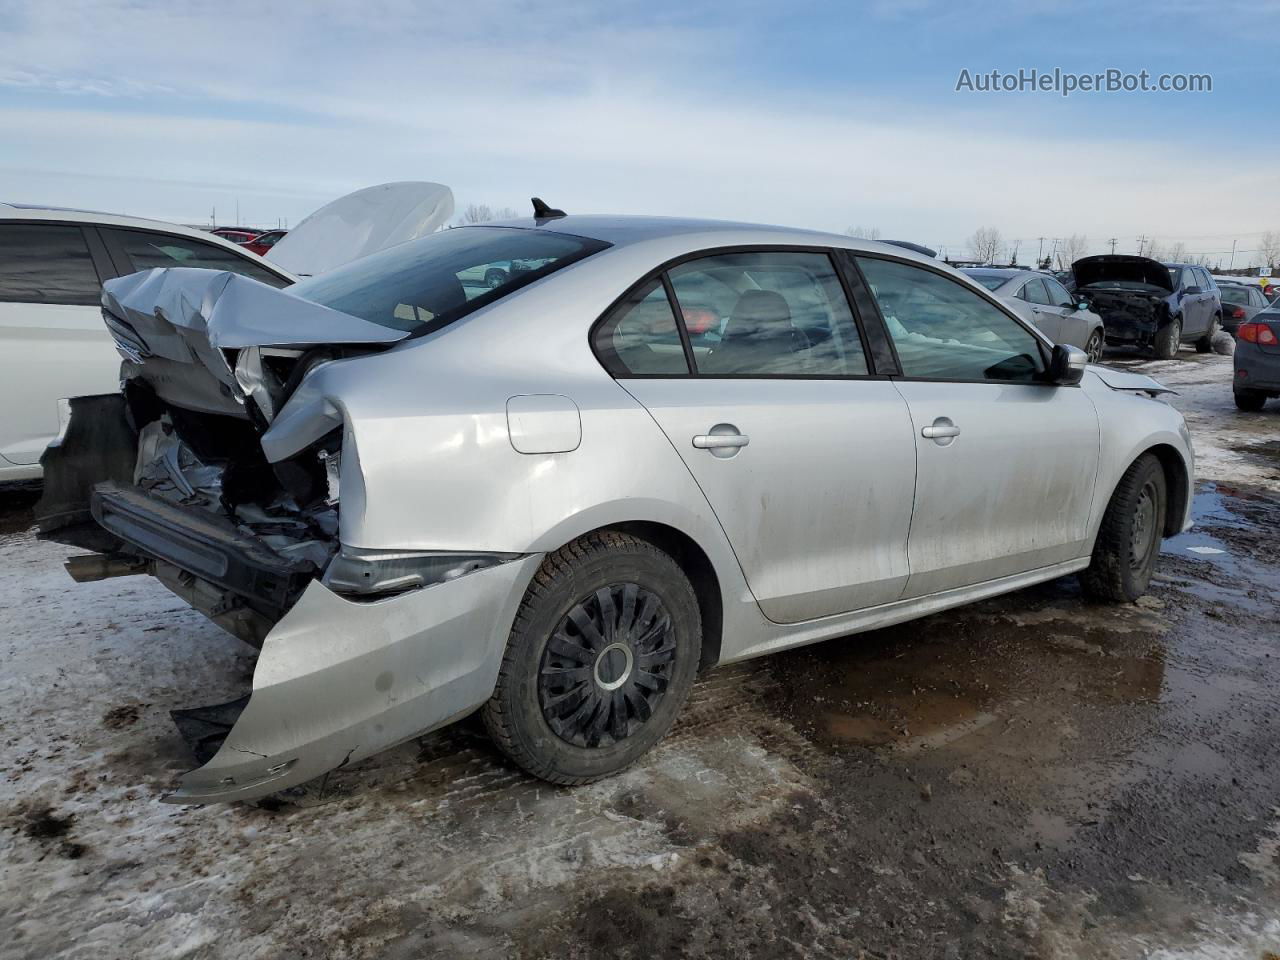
(1031, 775)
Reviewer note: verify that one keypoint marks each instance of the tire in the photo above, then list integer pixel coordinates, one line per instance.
(1205, 343)
(569, 706)
(494, 278)
(1094, 346)
(1167, 341)
(1250, 400)
(1124, 555)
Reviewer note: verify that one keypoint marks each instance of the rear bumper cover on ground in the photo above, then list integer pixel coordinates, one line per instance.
(339, 680)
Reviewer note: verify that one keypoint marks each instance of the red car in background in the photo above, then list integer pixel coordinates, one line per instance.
(238, 235)
(263, 241)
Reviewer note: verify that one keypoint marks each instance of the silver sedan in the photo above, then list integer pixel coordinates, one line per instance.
(667, 445)
(1042, 300)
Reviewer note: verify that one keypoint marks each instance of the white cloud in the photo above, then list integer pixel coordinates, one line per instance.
(282, 107)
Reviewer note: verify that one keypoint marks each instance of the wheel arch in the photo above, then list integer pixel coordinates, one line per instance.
(1177, 477)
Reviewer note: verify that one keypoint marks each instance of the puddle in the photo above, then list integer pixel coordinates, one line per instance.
(937, 682)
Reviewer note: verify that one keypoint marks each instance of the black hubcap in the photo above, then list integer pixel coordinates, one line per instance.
(607, 665)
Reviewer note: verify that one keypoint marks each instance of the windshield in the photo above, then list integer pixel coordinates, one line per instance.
(426, 283)
(989, 280)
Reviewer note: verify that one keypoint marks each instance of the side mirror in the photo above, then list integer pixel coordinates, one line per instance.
(1067, 365)
(1082, 305)
(1192, 290)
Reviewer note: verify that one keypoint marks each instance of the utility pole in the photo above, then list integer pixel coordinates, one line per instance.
(1112, 241)
(1141, 240)
(1233, 253)
(1040, 255)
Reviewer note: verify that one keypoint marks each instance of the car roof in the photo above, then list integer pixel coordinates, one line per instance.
(619, 231)
(29, 212)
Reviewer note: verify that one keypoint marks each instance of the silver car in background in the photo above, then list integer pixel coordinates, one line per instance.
(668, 445)
(1043, 301)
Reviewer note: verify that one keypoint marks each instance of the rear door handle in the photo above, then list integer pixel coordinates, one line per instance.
(707, 442)
(942, 431)
(723, 440)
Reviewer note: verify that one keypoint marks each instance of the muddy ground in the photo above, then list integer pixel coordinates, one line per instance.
(1033, 776)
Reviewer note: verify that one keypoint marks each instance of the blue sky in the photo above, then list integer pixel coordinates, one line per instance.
(813, 114)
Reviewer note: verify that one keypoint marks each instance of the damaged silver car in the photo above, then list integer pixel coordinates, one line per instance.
(426, 484)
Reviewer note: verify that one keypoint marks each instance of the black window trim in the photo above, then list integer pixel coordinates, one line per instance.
(1046, 347)
(93, 243)
(662, 271)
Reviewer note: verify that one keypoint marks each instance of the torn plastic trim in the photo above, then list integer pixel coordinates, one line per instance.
(372, 574)
(1125, 381)
(338, 681)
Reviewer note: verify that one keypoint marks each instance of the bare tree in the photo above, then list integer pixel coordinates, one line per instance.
(483, 213)
(1070, 249)
(1269, 247)
(1156, 250)
(1178, 252)
(863, 233)
(986, 245)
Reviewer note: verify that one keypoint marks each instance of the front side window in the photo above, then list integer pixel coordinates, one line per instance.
(769, 313)
(145, 250)
(640, 336)
(945, 331)
(425, 283)
(46, 263)
(1058, 295)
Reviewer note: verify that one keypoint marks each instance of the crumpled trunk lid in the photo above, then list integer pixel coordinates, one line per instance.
(197, 337)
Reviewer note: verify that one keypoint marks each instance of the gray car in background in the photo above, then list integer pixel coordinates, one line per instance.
(1040, 299)
(550, 502)
(1240, 303)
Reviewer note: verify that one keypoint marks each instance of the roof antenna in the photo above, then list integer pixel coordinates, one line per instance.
(542, 212)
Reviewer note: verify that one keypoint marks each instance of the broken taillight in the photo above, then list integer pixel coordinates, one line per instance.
(1237, 313)
(1258, 333)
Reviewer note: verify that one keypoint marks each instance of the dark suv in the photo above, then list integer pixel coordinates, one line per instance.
(1146, 303)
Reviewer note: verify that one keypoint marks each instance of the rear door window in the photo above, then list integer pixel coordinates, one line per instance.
(144, 250)
(46, 263)
(1034, 292)
(768, 313)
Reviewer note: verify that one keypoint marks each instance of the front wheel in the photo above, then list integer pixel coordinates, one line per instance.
(1250, 400)
(1205, 343)
(602, 654)
(1168, 338)
(1124, 555)
(1094, 346)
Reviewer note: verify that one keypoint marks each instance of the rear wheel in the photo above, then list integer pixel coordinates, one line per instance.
(1124, 555)
(1093, 346)
(1168, 338)
(1251, 400)
(601, 657)
(1205, 343)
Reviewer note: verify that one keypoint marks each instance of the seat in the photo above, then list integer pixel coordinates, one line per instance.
(758, 338)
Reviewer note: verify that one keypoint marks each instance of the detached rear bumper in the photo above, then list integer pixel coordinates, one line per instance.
(339, 680)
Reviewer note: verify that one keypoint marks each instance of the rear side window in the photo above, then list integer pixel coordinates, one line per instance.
(423, 284)
(640, 337)
(771, 313)
(46, 263)
(144, 250)
(943, 330)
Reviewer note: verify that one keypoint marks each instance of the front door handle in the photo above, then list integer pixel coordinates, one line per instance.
(723, 440)
(942, 431)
